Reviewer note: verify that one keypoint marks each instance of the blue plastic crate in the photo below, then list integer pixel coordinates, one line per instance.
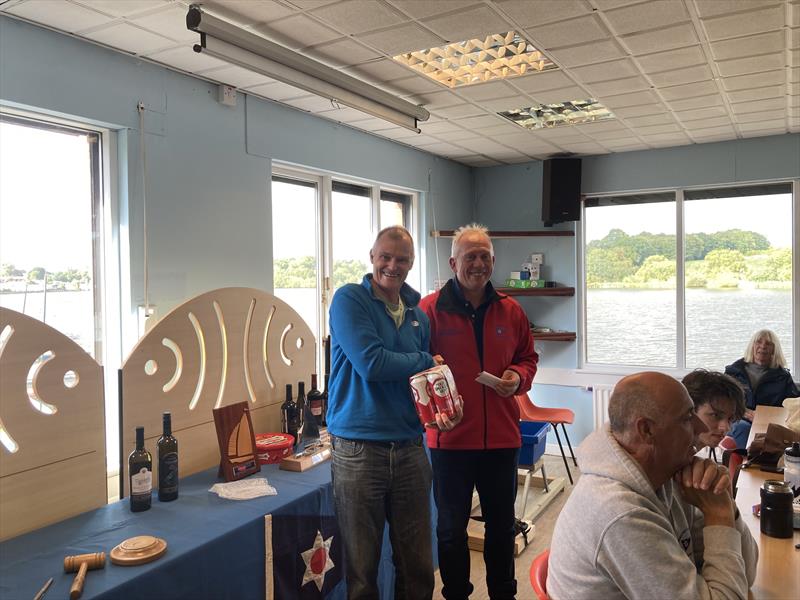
(534, 438)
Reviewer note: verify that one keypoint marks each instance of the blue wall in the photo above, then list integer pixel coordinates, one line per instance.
(208, 165)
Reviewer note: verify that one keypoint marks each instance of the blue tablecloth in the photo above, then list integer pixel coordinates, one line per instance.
(216, 547)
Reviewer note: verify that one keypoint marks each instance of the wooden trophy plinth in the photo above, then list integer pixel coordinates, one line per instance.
(237, 442)
(310, 457)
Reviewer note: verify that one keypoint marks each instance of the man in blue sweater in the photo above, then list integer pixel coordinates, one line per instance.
(379, 338)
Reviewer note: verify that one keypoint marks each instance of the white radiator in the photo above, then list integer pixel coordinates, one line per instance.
(601, 392)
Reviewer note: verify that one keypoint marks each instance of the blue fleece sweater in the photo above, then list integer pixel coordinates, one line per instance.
(371, 361)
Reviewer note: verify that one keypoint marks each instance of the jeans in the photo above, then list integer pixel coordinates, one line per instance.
(494, 474)
(376, 482)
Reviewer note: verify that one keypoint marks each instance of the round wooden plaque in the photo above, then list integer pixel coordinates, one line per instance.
(138, 550)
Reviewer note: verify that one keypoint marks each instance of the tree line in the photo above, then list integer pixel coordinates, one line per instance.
(301, 272)
(722, 259)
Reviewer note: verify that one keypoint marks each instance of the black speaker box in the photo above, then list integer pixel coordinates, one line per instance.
(561, 190)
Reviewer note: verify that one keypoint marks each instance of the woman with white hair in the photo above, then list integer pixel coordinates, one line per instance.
(765, 379)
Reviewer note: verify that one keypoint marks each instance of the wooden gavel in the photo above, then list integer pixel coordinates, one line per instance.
(82, 563)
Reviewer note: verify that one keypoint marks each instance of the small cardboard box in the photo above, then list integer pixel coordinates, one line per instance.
(537, 258)
(520, 275)
(518, 283)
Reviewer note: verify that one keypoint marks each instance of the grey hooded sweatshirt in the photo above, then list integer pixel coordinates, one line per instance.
(618, 538)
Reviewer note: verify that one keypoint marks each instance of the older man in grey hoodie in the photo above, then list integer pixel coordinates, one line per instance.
(648, 519)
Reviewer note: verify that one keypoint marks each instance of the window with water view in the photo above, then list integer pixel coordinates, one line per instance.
(737, 275)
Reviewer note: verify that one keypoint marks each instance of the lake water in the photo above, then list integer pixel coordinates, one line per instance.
(637, 327)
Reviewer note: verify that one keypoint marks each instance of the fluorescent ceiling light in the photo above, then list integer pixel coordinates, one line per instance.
(498, 56)
(232, 44)
(545, 116)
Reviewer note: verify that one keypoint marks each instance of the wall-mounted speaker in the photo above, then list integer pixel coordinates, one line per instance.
(561, 190)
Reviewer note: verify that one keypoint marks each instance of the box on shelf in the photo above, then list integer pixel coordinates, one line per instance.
(520, 275)
(536, 259)
(525, 283)
(534, 438)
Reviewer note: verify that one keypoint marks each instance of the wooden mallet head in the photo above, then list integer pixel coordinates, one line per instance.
(82, 563)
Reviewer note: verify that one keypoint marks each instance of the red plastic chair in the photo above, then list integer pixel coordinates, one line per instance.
(539, 575)
(555, 416)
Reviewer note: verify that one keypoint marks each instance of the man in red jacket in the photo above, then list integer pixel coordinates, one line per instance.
(477, 329)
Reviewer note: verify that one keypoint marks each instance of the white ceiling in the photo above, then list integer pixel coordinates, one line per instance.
(674, 72)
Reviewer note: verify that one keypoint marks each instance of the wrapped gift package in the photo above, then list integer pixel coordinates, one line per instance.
(272, 447)
(434, 392)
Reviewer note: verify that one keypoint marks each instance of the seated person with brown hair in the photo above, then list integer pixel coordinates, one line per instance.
(718, 403)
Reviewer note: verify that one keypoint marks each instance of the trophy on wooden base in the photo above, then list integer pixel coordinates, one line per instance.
(237, 442)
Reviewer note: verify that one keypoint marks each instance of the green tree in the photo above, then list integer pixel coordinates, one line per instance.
(656, 268)
(348, 271)
(36, 274)
(608, 265)
(6, 270)
(300, 272)
(725, 262)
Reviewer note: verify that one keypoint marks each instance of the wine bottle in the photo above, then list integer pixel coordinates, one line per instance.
(314, 400)
(167, 462)
(301, 401)
(290, 420)
(140, 472)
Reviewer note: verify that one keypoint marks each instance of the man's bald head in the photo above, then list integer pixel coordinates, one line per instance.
(645, 394)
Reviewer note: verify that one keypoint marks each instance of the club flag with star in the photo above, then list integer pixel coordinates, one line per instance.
(304, 557)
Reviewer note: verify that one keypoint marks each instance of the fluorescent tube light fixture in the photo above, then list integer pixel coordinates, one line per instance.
(234, 45)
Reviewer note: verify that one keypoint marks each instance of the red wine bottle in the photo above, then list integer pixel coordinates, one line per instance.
(140, 473)
(167, 447)
(315, 400)
(301, 400)
(290, 418)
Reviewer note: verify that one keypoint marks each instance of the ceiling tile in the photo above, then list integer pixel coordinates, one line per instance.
(298, 31)
(59, 14)
(587, 53)
(625, 144)
(766, 127)
(616, 69)
(753, 64)
(124, 8)
(419, 9)
(711, 8)
(236, 76)
(416, 84)
(623, 100)
(456, 112)
(743, 82)
(681, 76)
(617, 86)
(374, 124)
(379, 71)
(527, 13)
(481, 122)
(556, 135)
(358, 16)
(584, 148)
(672, 59)
(755, 117)
(500, 131)
(561, 95)
(483, 145)
(602, 136)
(724, 130)
(341, 53)
(637, 111)
(701, 113)
(170, 23)
(770, 91)
(764, 43)
(186, 59)
(468, 23)
(568, 33)
(440, 127)
(508, 103)
(434, 100)
(401, 39)
(456, 135)
(315, 104)
(762, 106)
(747, 23)
(696, 102)
(666, 38)
(609, 126)
(130, 38)
(485, 91)
(549, 80)
(665, 140)
(688, 90)
(278, 90)
(653, 129)
(247, 12)
(651, 15)
(646, 120)
(712, 122)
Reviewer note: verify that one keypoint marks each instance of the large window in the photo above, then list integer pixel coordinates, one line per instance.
(681, 279)
(322, 230)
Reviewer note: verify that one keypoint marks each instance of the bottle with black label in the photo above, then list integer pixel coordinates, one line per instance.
(301, 401)
(315, 400)
(290, 418)
(167, 463)
(140, 472)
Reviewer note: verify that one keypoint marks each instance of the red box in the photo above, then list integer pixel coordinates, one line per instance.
(273, 447)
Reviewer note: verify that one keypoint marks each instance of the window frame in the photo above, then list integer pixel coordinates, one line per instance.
(324, 229)
(586, 367)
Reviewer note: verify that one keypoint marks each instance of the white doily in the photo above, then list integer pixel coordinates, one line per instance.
(244, 489)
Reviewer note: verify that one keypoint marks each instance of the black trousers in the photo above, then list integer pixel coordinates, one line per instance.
(494, 474)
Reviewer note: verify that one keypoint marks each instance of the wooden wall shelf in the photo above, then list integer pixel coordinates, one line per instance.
(510, 234)
(554, 336)
(553, 291)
